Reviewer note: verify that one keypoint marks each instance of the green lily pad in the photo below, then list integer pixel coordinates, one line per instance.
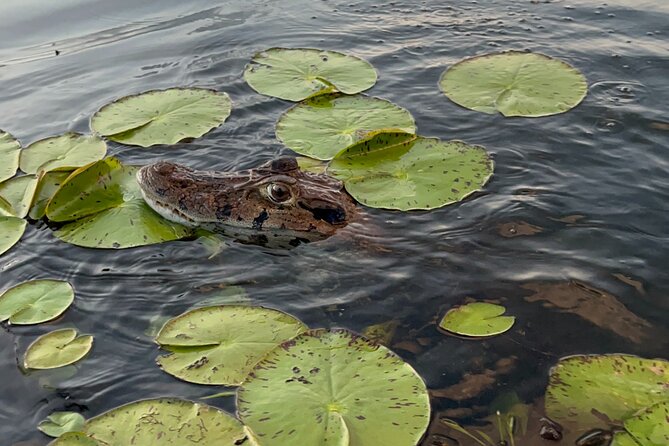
(323, 126)
(57, 349)
(19, 192)
(10, 151)
(104, 207)
(650, 427)
(477, 319)
(66, 151)
(74, 439)
(11, 230)
(59, 423)
(221, 344)
(163, 422)
(514, 83)
(295, 74)
(589, 390)
(334, 387)
(35, 301)
(47, 185)
(396, 170)
(162, 116)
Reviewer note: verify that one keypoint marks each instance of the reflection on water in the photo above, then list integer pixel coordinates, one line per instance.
(569, 230)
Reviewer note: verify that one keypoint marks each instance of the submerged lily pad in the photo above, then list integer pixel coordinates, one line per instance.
(59, 423)
(588, 390)
(74, 439)
(18, 193)
(35, 301)
(514, 83)
(162, 116)
(221, 344)
(104, 207)
(10, 151)
(295, 74)
(11, 230)
(66, 151)
(477, 319)
(47, 185)
(396, 170)
(163, 422)
(57, 349)
(334, 387)
(323, 126)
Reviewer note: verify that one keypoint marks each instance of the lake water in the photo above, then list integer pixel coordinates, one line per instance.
(571, 234)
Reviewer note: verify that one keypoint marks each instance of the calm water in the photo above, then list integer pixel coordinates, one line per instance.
(570, 234)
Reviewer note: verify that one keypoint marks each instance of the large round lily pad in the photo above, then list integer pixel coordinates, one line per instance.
(104, 207)
(514, 83)
(163, 422)
(477, 319)
(11, 230)
(66, 151)
(74, 439)
(221, 344)
(295, 74)
(396, 170)
(57, 349)
(35, 301)
(324, 125)
(333, 387)
(162, 116)
(18, 192)
(588, 390)
(10, 150)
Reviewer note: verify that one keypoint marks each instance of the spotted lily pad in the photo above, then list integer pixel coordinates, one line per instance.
(295, 74)
(47, 185)
(59, 423)
(35, 301)
(396, 170)
(162, 116)
(104, 208)
(57, 349)
(11, 230)
(221, 344)
(334, 387)
(477, 319)
(74, 439)
(65, 151)
(514, 83)
(163, 422)
(19, 192)
(323, 126)
(592, 390)
(650, 427)
(10, 150)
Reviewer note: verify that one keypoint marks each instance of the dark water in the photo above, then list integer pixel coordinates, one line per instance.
(575, 216)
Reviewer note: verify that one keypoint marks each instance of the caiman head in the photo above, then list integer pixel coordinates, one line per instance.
(276, 196)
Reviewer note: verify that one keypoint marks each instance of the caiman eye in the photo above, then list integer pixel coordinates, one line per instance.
(279, 193)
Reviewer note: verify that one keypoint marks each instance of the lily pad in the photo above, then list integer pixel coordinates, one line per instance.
(221, 344)
(514, 83)
(19, 192)
(10, 151)
(295, 74)
(11, 230)
(74, 439)
(477, 319)
(62, 152)
(396, 170)
(323, 126)
(57, 349)
(334, 387)
(47, 185)
(593, 390)
(650, 427)
(104, 207)
(35, 301)
(163, 422)
(59, 423)
(162, 116)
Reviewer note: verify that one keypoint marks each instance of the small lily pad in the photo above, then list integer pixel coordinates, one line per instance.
(599, 390)
(323, 126)
(477, 319)
(165, 422)
(57, 349)
(295, 74)
(334, 387)
(74, 439)
(396, 170)
(19, 192)
(47, 185)
(59, 423)
(162, 116)
(10, 151)
(35, 301)
(66, 151)
(221, 344)
(11, 230)
(650, 427)
(514, 83)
